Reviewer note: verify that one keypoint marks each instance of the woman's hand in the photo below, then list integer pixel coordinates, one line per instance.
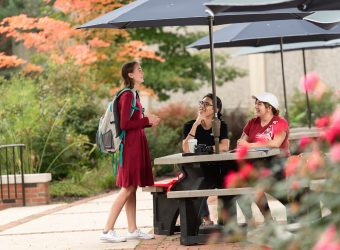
(198, 121)
(153, 120)
(242, 142)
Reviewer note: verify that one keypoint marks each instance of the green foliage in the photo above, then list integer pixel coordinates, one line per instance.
(236, 121)
(68, 188)
(162, 141)
(55, 116)
(181, 70)
(166, 138)
(31, 8)
(298, 112)
(82, 183)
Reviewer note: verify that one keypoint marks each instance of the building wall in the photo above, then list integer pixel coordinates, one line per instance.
(264, 74)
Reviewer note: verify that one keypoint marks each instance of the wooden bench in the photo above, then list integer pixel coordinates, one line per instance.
(189, 201)
(298, 133)
(163, 225)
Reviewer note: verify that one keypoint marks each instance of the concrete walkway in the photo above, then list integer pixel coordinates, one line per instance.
(69, 226)
(78, 225)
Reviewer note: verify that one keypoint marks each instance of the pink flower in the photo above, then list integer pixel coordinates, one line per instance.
(328, 240)
(304, 142)
(231, 179)
(309, 82)
(295, 185)
(335, 153)
(246, 170)
(322, 122)
(292, 164)
(335, 119)
(314, 161)
(265, 172)
(241, 152)
(331, 134)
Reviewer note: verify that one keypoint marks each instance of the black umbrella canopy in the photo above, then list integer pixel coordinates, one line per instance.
(287, 47)
(159, 13)
(325, 19)
(267, 33)
(259, 5)
(292, 47)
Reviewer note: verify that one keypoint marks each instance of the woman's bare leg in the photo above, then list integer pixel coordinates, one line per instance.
(117, 206)
(130, 209)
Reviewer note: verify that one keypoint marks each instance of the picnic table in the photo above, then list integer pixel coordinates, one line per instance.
(202, 176)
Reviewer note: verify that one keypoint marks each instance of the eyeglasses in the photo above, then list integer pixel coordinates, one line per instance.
(204, 104)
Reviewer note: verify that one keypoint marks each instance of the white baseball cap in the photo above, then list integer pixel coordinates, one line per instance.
(267, 97)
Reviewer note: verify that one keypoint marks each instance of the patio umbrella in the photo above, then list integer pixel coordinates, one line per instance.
(292, 47)
(257, 5)
(324, 19)
(159, 13)
(326, 11)
(268, 33)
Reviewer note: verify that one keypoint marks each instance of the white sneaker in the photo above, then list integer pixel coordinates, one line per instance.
(138, 234)
(112, 236)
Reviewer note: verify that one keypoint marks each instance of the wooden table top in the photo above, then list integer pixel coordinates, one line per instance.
(224, 156)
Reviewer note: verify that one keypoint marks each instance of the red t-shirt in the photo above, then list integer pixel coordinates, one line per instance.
(257, 133)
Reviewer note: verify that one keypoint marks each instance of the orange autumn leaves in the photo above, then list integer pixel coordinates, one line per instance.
(136, 49)
(81, 10)
(10, 61)
(50, 36)
(61, 42)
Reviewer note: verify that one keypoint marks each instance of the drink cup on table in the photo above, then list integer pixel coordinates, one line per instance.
(192, 143)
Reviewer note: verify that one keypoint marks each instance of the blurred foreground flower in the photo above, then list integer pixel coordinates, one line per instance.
(246, 176)
(312, 85)
(333, 131)
(335, 153)
(309, 82)
(241, 152)
(328, 240)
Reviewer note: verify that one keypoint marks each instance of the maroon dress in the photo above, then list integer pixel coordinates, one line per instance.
(136, 168)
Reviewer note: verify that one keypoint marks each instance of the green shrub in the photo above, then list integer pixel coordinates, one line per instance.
(298, 109)
(55, 115)
(166, 139)
(236, 120)
(81, 182)
(67, 188)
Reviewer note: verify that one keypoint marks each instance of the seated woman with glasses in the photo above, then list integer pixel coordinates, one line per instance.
(201, 129)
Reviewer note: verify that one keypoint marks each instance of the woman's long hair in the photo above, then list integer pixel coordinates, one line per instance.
(219, 104)
(126, 70)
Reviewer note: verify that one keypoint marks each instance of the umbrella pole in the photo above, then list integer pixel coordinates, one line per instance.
(309, 110)
(216, 123)
(284, 80)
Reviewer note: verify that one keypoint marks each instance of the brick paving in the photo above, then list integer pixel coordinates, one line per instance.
(172, 243)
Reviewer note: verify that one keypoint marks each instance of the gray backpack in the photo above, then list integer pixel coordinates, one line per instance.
(109, 134)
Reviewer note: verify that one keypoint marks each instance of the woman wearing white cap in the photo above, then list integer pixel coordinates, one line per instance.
(267, 129)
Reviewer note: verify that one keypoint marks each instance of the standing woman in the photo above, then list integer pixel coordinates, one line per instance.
(135, 169)
(201, 129)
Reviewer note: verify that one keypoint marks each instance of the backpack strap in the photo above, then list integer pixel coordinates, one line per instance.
(123, 133)
(133, 103)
